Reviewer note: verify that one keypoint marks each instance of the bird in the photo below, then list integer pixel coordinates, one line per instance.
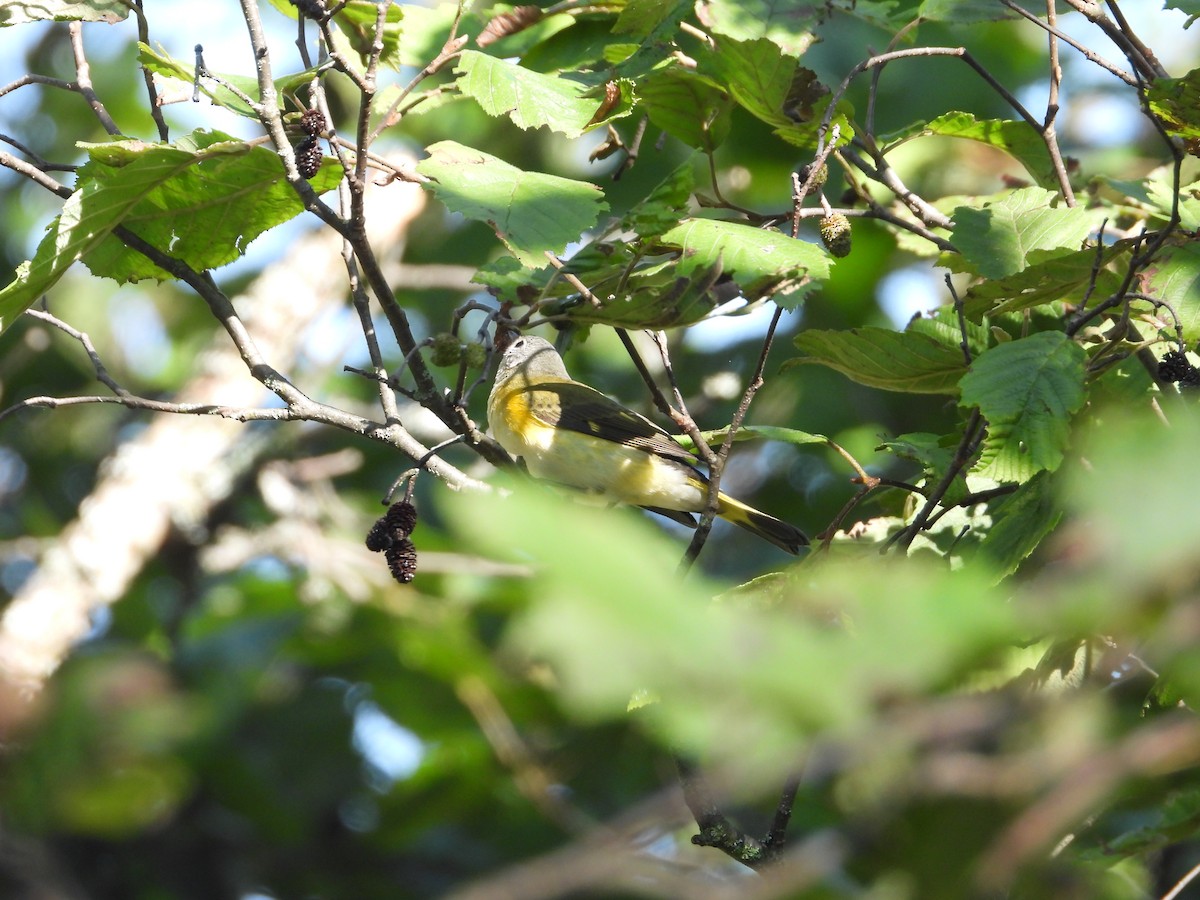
(571, 434)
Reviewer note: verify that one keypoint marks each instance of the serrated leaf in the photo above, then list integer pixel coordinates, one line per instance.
(773, 87)
(533, 100)
(1174, 277)
(1060, 278)
(1019, 523)
(166, 187)
(1015, 138)
(20, 12)
(531, 212)
(762, 262)
(1027, 390)
(204, 215)
(891, 360)
(998, 237)
(785, 23)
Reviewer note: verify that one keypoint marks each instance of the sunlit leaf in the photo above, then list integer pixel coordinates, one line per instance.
(1017, 138)
(1027, 390)
(19, 12)
(532, 100)
(531, 212)
(999, 236)
(761, 261)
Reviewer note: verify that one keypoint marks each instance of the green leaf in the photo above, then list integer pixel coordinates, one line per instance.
(1174, 278)
(687, 107)
(999, 237)
(611, 631)
(1191, 7)
(1015, 138)
(933, 453)
(356, 23)
(773, 87)
(1176, 102)
(640, 18)
(1065, 277)
(1160, 193)
(659, 211)
(205, 214)
(763, 262)
(1019, 524)
(891, 360)
(1027, 390)
(633, 294)
(963, 11)
(759, 433)
(167, 188)
(165, 66)
(531, 212)
(532, 100)
(20, 12)
(785, 23)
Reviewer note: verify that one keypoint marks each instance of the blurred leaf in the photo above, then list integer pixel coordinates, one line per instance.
(963, 11)
(531, 212)
(20, 12)
(1027, 390)
(1132, 455)
(1191, 7)
(613, 630)
(1000, 237)
(532, 100)
(1016, 138)
(882, 358)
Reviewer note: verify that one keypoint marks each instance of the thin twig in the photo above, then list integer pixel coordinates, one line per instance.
(704, 526)
(1089, 54)
(102, 374)
(83, 78)
(143, 27)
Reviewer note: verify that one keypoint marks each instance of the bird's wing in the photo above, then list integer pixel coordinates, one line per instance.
(577, 407)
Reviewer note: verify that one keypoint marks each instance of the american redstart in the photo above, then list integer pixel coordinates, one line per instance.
(574, 435)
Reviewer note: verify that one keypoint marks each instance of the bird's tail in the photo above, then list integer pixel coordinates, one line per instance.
(781, 534)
